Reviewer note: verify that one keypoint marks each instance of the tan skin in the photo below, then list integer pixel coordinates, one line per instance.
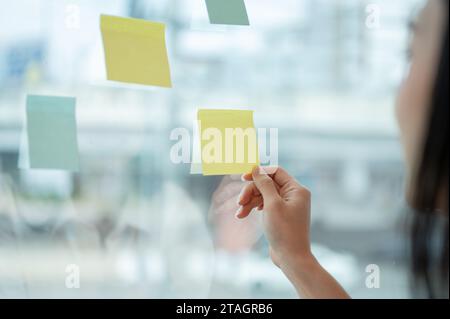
(286, 204)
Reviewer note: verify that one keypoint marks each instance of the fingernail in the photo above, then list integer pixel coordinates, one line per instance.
(242, 178)
(262, 171)
(238, 212)
(239, 197)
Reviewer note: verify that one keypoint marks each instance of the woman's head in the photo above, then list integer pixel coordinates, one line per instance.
(415, 103)
(422, 110)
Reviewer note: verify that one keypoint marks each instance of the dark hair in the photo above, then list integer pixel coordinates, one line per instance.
(429, 226)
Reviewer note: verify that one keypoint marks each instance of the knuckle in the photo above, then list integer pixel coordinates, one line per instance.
(305, 193)
(214, 198)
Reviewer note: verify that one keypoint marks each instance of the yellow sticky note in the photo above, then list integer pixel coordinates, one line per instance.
(229, 143)
(135, 51)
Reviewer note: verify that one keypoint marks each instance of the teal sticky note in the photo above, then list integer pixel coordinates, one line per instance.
(52, 133)
(231, 12)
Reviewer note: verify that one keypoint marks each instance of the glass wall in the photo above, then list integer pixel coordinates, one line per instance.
(132, 223)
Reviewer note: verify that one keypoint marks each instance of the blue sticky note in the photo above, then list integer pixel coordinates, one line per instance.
(52, 133)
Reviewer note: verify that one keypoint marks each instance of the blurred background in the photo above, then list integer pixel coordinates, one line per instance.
(132, 224)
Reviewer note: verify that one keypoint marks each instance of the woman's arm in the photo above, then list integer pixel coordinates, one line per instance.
(311, 280)
(286, 205)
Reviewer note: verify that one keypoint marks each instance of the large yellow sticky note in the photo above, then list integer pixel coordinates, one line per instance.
(229, 143)
(135, 51)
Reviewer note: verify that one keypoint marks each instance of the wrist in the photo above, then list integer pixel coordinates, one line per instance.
(300, 267)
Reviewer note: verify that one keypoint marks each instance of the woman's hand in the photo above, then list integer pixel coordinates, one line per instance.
(287, 206)
(286, 217)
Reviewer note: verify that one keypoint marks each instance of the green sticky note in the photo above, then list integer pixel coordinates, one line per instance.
(231, 12)
(52, 133)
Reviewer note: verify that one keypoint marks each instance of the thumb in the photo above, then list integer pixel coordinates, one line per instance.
(265, 185)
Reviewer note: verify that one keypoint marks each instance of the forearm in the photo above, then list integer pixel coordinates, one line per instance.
(311, 280)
